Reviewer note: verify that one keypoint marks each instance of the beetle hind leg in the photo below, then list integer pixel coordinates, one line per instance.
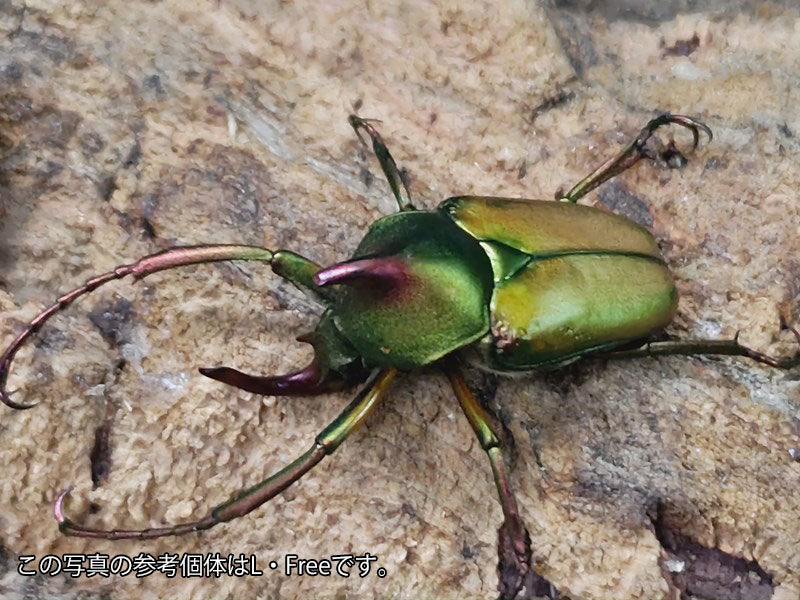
(247, 500)
(637, 150)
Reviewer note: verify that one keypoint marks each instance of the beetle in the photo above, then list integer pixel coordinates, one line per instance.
(510, 285)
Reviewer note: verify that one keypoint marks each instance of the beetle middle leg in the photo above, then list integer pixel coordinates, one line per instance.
(637, 150)
(514, 527)
(326, 442)
(390, 170)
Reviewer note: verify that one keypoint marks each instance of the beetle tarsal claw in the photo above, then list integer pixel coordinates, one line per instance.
(58, 506)
(5, 397)
(671, 155)
(515, 562)
(359, 123)
(5, 367)
(792, 328)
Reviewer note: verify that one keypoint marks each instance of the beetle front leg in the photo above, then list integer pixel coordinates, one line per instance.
(515, 530)
(161, 261)
(390, 170)
(328, 440)
(300, 271)
(637, 150)
(288, 265)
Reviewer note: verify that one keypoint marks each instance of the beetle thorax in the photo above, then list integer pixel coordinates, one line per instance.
(421, 290)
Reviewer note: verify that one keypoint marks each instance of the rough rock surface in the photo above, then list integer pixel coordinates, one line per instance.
(127, 127)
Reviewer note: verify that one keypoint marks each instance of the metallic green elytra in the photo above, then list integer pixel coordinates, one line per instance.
(569, 279)
(514, 285)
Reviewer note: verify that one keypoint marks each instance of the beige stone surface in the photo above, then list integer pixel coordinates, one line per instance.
(127, 127)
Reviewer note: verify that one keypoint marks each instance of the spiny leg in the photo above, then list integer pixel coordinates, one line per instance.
(330, 438)
(635, 151)
(480, 422)
(291, 266)
(390, 170)
(173, 257)
(702, 347)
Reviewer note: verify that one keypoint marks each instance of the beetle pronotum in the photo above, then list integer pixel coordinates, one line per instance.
(514, 285)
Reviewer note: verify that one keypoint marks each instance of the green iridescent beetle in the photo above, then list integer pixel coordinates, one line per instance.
(511, 285)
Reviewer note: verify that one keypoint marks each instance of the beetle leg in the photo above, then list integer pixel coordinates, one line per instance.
(291, 266)
(515, 530)
(390, 170)
(330, 438)
(637, 150)
(300, 271)
(702, 347)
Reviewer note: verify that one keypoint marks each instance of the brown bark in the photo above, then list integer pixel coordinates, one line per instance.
(127, 127)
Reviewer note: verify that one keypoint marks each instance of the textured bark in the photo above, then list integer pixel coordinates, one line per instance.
(127, 127)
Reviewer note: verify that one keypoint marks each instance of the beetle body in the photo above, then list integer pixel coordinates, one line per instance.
(518, 284)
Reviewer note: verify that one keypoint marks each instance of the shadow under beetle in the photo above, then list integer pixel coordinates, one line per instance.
(514, 285)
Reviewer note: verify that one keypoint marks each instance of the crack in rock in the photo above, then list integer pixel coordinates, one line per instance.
(708, 573)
